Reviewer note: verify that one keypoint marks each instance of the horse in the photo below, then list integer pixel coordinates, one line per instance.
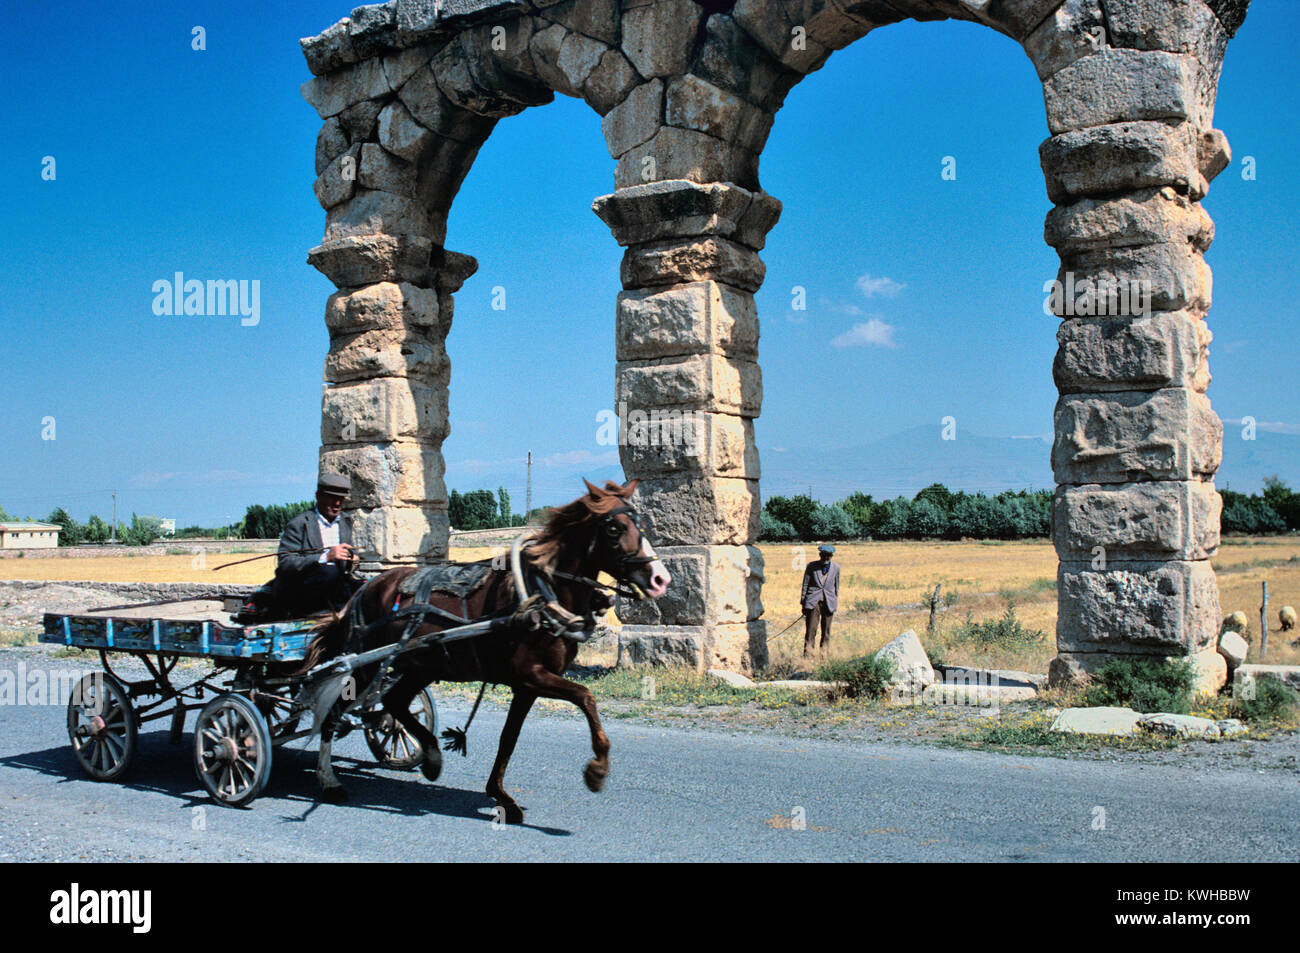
(596, 533)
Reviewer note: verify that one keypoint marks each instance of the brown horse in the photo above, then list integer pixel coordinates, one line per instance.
(593, 534)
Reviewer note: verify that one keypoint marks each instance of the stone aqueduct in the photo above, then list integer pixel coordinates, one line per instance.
(409, 90)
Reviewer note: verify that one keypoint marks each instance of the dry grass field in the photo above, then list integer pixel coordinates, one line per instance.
(885, 588)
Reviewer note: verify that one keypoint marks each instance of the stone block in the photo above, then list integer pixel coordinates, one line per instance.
(1209, 671)
(1123, 157)
(331, 142)
(384, 305)
(598, 19)
(683, 510)
(395, 535)
(658, 38)
(578, 58)
(427, 104)
(358, 120)
(1169, 434)
(1180, 26)
(711, 584)
(413, 352)
(610, 82)
(732, 59)
(338, 182)
(381, 170)
(1119, 522)
(662, 210)
(675, 153)
(787, 42)
(330, 50)
(1169, 608)
(401, 65)
(693, 103)
(383, 410)
(388, 474)
(334, 92)
(1143, 217)
(635, 120)
(674, 262)
(370, 211)
(696, 441)
(696, 382)
(1233, 648)
(1075, 29)
(1288, 675)
(1120, 86)
(401, 135)
(1096, 721)
(361, 260)
(1128, 354)
(373, 28)
(1186, 727)
(1168, 277)
(695, 318)
(912, 669)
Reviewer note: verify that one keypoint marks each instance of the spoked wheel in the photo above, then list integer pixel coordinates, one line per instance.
(102, 726)
(232, 749)
(395, 747)
(278, 711)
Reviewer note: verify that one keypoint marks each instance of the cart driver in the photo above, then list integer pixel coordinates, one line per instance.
(314, 566)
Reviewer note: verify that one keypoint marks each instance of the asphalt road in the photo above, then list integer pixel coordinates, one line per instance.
(673, 795)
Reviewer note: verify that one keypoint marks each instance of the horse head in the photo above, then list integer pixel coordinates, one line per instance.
(619, 546)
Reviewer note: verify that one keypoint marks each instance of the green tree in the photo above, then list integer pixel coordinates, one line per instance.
(795, 510)
(70, 531)
(832, 522)
(939, 495)
(504, 516)
(97, 531)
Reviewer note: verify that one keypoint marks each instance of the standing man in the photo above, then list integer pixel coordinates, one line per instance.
(314, 569)
(819, 597)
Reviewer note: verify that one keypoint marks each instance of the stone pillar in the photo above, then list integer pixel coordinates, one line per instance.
(688, 387)
(1136, 514)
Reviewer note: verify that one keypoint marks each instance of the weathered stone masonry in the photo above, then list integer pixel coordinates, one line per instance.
(410, 89)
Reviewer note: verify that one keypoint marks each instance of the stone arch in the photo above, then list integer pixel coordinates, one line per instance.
(688, 93)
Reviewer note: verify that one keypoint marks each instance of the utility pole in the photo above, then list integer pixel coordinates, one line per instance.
(112, 530)
(528, 491)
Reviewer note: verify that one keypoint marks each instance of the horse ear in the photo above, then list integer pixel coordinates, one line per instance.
(595, 491)
(630, 488)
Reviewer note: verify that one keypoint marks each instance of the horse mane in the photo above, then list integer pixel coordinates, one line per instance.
(544, 548)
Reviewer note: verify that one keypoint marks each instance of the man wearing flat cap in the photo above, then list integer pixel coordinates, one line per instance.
(314, 569)
(819, 598)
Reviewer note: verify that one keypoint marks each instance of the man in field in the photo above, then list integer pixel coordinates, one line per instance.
(314, 568)
(819, 597)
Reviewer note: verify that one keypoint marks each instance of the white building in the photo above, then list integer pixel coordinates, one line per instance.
(29, 535)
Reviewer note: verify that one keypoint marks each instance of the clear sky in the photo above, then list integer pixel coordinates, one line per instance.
(924, 295)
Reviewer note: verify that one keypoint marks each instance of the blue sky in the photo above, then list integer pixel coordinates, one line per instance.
(924, 295)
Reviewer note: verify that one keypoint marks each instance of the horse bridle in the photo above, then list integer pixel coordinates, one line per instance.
(610, 531)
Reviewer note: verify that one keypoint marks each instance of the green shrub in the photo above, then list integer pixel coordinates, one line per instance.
(866, 605)
(1143, 684)
(865, 677)
(1273, 701)
(1006, 631)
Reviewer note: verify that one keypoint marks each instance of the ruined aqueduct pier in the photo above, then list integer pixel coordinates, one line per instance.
(687, 91)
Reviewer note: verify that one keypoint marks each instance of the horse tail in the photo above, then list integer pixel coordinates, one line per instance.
(330, 635)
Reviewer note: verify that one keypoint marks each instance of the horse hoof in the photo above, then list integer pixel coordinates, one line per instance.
(432, 767)
(511, 813)
(594, 775)
(335, 795)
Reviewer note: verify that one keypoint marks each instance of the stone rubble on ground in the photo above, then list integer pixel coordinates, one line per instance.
(1096, 721)
(912, 669)
(1181, 726)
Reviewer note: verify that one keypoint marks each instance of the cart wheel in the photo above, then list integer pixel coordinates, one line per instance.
(232, 749)
(277, 712)
(395, 747)
(102, 726)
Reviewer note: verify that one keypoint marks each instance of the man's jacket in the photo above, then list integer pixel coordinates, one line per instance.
(303, 532)
(820, 583)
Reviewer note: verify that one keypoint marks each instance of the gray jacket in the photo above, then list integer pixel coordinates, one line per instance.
(818, 584)
(303, 532)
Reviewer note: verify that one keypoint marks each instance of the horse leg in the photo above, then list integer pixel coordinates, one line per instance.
(553, 686)
(520, 702)
(397, 702)
(332, 792)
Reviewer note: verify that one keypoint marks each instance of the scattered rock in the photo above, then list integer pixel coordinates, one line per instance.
(734, 679)
(1210, 671)
(1231, 727)
(1180, 726)
(1233, 649)
(1096, 721)
(912, 669)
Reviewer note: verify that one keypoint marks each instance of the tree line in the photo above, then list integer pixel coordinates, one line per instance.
(937, 512)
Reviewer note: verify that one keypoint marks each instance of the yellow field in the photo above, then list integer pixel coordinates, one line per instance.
(984, 577)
